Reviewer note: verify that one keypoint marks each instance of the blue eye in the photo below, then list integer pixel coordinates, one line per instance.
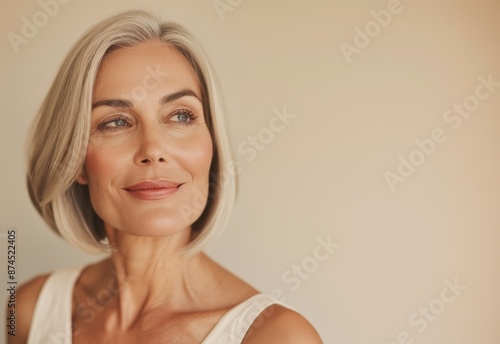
(118, 123)
(184, 116)
(114, 124)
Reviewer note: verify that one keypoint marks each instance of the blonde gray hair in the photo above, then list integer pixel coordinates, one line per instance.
(58, 140)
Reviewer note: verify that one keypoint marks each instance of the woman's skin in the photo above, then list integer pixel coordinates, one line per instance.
(148, 125)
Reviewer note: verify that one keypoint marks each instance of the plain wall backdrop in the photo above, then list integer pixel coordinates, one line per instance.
(373, 208)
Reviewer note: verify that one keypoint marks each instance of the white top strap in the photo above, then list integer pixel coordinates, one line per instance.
(51, 321)
(233, 326)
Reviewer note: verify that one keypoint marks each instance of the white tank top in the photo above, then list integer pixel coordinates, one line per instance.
(51, 322)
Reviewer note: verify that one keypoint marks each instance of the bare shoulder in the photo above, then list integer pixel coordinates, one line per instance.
(26, 297)
(278, 324)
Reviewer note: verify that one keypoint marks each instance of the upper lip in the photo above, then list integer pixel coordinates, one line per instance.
(153, 184)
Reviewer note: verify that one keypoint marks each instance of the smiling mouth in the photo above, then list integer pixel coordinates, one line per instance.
(153, 190)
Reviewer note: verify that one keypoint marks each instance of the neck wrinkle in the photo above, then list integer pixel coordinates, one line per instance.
(151, 273)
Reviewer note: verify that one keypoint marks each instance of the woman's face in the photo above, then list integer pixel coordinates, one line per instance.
(149, 152)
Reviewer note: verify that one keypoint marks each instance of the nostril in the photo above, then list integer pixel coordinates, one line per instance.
(147, 160)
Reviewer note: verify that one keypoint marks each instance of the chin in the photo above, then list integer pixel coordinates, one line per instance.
(161, 228)
(151, 227)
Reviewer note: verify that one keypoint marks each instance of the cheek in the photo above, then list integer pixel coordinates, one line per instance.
(200, 157)
(103, 166)
(191, 150)
(196, 160)
(99, 167)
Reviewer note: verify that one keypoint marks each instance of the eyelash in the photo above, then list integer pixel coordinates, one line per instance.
(191, 117)
(103, 126)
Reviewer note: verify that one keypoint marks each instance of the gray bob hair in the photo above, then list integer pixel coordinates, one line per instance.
(58, 140)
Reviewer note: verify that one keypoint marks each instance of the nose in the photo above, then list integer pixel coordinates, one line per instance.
(152, 146)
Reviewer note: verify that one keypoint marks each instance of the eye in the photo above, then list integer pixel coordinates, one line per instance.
(184, 116)
(114, 123)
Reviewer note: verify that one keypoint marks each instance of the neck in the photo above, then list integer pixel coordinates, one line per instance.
(152, 273)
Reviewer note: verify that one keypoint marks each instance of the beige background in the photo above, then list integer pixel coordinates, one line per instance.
(323, 175)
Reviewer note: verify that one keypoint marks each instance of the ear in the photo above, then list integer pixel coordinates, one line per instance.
(82, 178)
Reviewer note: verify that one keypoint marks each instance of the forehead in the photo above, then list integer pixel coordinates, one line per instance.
(150, 66)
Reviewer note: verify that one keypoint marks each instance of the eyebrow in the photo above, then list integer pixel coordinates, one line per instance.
(123, 103)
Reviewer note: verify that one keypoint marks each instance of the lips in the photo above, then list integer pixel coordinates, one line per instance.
(153, 190)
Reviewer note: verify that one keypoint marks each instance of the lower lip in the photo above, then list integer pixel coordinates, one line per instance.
(153, 194)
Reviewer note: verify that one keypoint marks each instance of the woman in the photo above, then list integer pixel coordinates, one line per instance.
(126, 157)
